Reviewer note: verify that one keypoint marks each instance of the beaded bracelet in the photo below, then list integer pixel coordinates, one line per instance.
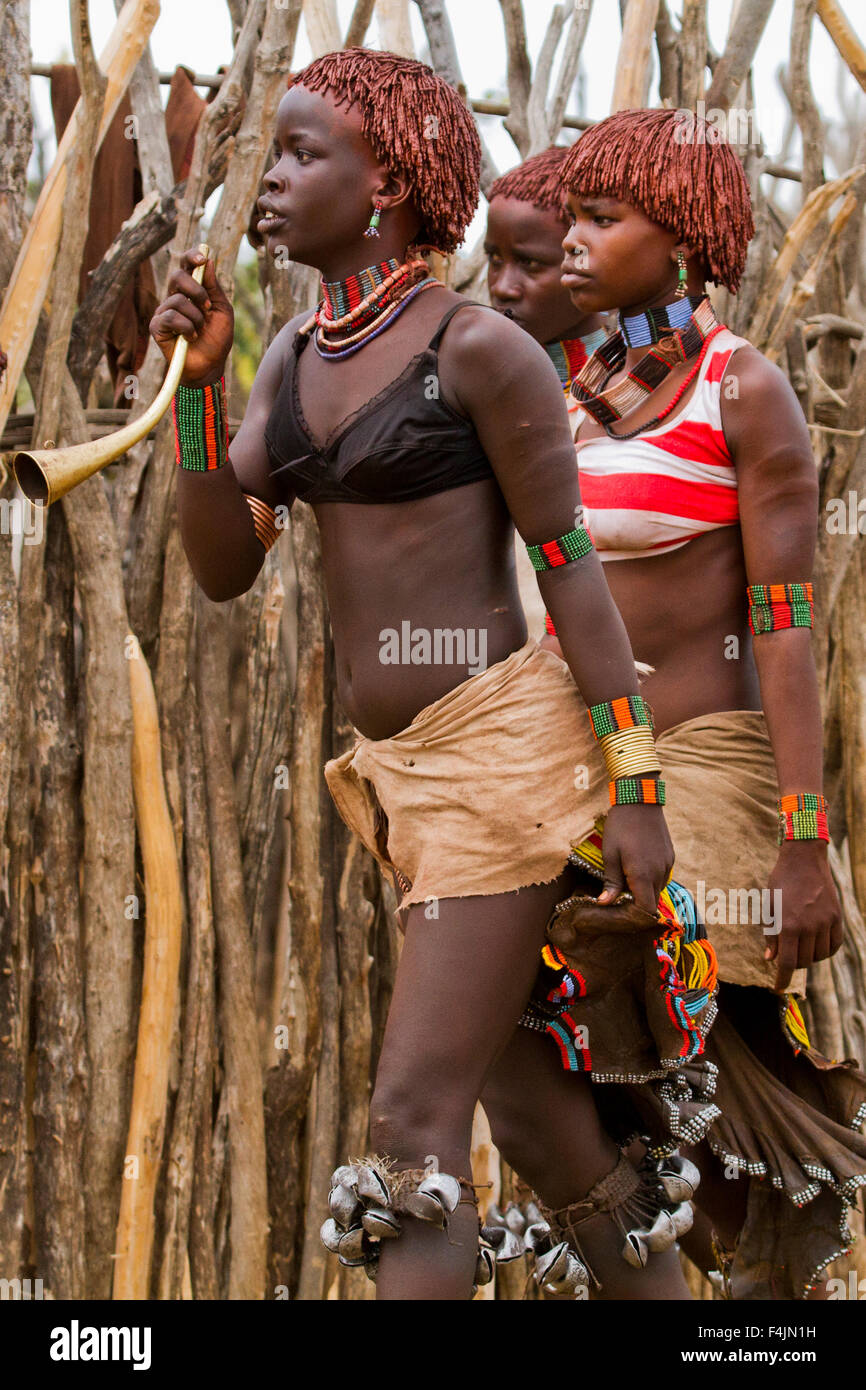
(775, 606)
(551, 554)
(636, 791)
(626, 712)
(803, 816)
(201, 427)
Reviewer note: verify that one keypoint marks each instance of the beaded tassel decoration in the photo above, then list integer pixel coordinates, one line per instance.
(550, 554)
(570, 355)
(654, 367)
(640, 330)
(774, 606)
(201, 427)
(803, 816)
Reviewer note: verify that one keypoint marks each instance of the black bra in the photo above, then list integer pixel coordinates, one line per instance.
(404, 443)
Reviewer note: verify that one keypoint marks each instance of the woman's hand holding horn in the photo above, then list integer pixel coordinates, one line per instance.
(200, 313)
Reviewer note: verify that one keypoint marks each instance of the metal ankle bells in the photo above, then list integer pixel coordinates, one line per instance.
(368, 1200)
(650, 1205)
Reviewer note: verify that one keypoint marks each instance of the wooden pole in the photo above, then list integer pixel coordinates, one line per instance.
(162, 941)
(838, 26)
(631, 82)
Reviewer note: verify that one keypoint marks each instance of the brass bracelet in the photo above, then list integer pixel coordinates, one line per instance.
(264, 521)
(630, 751)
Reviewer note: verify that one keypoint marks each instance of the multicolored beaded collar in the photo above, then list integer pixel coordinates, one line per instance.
(355, 310)
(640, 330)
(680, 344)
(570, 355)
(340, 297)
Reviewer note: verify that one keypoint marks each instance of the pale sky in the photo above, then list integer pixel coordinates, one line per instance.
(198, 35)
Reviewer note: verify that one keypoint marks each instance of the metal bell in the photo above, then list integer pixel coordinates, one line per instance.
(331, 1235)
(352, 1243)
(494, 1235)
(662, 1234)
(443, 1186)
(352, 1262)
(683, 1218)
(342, 1203)
(426, 1206)
(484, 1267)
(346, 1175)
(510, 1248)
(515, 1219)
(372, 1186)
(532, 1214)
(380, 1223)
(635, 1252)
(680, 1178)
(535, 1236)
(553, 1264)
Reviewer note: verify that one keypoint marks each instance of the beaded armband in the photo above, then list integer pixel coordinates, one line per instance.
(774, 606)
(569, 547)
(264, 520)
(201, 427)
(548, 625)
(624, 730)
(637, 791)
(803, 816)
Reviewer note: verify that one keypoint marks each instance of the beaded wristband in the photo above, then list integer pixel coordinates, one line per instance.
(803, 816)
(569, 547)
(774, 606)
(201, 427)
(626, 712)
(636, 791)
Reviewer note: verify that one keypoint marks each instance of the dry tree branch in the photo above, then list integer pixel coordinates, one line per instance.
(568, 67)
(693, 52)
(803, 103)
(839, 28)
(359, 23)
(519, 72)
(395, 31)
(631, 83)
(536, 112)
(797, 235)
(667, 47)
(323, 30)
(743, 40)
(444, 60)
(804, 289)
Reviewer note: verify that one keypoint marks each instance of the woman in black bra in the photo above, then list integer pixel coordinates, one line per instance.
(421, 433)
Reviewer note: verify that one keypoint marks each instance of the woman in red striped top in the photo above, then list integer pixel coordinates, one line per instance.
(699, 489)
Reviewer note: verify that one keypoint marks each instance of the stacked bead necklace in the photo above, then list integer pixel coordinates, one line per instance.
(365, 304)
(671, 345)
(569, 355)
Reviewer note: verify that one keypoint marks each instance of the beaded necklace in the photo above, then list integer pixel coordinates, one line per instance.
(389, 287)
(609, 406)
(639, 330)
(570, 355)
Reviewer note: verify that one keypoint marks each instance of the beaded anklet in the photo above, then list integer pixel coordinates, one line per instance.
(201, 427)
(550, 554)
(775, 606)
(803, 816)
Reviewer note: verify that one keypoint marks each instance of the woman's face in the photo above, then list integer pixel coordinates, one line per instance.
(321, 187)
(616, 257)
(524, 259)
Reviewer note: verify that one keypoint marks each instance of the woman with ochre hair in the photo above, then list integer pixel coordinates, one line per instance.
(422, 428)
(700, 493)
(527, 218)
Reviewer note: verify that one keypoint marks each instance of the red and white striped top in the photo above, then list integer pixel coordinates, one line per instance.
(658, 491)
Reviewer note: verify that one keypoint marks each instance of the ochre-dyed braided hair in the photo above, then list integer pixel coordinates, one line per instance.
(538, 180)
(417, 124)
(681, 172)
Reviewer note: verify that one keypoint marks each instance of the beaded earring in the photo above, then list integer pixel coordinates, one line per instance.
(373, 229)
(682, 271)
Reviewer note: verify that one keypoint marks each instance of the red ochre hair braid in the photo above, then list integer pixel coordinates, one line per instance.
(417, 124)
(538, 180)
(681, 172)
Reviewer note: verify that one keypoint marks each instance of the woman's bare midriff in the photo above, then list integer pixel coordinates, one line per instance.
(431, 583)
(685, 613)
